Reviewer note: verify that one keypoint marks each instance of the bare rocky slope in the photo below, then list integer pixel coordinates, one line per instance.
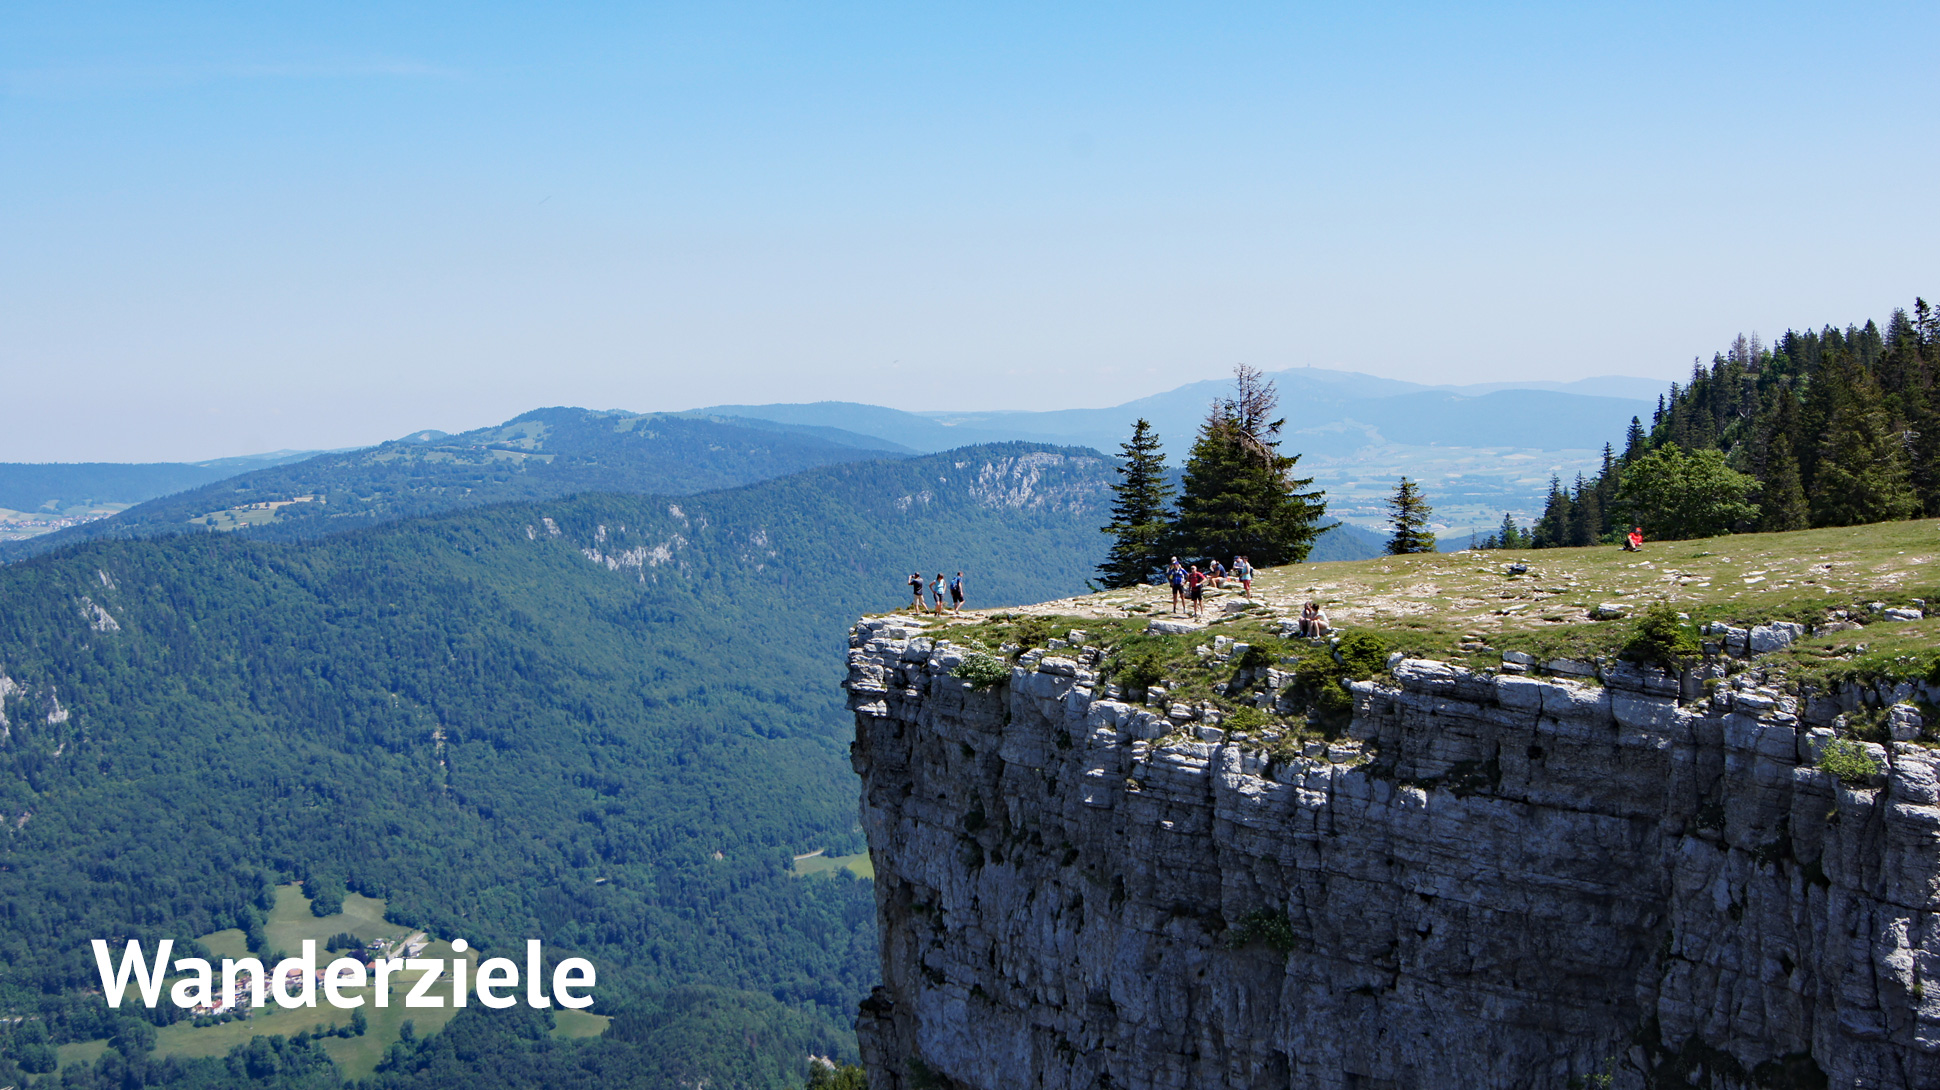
(1485, 878)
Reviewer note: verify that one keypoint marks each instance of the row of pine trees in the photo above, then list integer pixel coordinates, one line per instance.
(1833, 428)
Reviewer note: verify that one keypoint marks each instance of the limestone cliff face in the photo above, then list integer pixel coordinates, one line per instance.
(1494, 881)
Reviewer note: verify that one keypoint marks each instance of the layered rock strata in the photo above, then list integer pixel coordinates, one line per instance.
(1490, 881)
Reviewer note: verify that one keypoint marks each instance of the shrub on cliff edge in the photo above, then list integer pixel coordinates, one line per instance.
(982, 671)
(1848, 760)
(1661, 637)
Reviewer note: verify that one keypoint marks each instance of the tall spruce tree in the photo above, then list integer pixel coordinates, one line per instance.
(1240, 497)
(1552, 530)
(1862, 472)
(1782, 493)
(1509, 536)
(1139, 519)
(1408, 514)
(1636, 442)
(1586, 514)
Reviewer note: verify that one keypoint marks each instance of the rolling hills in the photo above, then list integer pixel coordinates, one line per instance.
(605, 721)
(539, 454)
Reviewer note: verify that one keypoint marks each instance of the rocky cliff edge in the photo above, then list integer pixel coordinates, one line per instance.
(1486, 880)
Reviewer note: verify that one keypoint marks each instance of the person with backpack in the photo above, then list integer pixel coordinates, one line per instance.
(1175, 574)
(936, 593)
(956, 594)
(916, 590)
(1243, 571)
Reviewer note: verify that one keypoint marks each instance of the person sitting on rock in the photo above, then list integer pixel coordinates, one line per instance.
(1634, 543)
(1215, 573)
(1313, 621)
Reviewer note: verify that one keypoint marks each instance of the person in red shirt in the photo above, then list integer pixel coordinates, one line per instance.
(1635, 542)
(1196, 588)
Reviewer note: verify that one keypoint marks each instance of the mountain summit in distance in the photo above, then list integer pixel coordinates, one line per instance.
(536, 455)
(1481, 449)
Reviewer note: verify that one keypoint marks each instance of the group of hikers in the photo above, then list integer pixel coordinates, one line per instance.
(937, 589)
(1189, 591)
(1189, 583)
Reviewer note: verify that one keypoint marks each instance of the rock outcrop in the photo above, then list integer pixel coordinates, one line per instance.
(1491, 880)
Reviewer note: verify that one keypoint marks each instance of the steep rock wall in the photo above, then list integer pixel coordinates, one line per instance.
(1494, 881)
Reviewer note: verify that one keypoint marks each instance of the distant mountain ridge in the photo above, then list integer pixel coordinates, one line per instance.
(537, 455)
(61, 486)
(1328, 412)
(1481, 450)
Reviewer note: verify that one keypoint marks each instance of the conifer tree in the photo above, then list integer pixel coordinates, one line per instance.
(1586, 514)
(1605, 490)
(1552, 530)
(1138, 515)
(1862, 472)
(1240, 497)
(1509, 535)
(1636, 442)
(1783, 493)
(1409, 517)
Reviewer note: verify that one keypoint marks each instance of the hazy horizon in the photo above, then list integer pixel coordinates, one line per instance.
(239, 229)
(923, 411)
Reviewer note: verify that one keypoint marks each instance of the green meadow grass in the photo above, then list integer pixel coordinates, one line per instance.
(858, 864)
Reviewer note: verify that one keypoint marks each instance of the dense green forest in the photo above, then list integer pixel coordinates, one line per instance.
(603, 721)
(1828, 428)
(540, 454)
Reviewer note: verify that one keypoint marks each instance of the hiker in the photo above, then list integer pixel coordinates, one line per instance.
(916, 589)
(1243, 571)
(936, 592)
(1215, 574)
(1176, 575)
(1634, 543)
(1196, 583)
(956, 594)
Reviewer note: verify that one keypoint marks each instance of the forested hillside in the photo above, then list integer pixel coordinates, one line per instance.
(543, 453)
(604, 721)
(1828, 428)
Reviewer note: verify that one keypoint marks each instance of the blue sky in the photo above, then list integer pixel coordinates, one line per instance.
(236, 228)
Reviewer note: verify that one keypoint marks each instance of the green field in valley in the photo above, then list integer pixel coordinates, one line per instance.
(823, 863)
(288, 924)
